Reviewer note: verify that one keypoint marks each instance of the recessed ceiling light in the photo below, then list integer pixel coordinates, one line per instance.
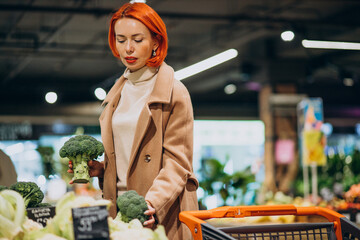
(287, 36)
(51, 97)
(100, 93)
(230, 88)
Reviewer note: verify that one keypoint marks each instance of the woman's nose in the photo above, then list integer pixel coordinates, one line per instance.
(129, 47)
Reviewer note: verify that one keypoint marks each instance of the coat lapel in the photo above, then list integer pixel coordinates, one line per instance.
(160, 94)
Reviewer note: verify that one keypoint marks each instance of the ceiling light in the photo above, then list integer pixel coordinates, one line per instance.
(206, 64)
(100, 93)
(287, 36)
(330, 45)
(139, 1)
(230, 88)
(348, 82)
(51, 97)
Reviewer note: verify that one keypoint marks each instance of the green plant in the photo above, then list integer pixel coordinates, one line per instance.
(212, 174)
(31, 193)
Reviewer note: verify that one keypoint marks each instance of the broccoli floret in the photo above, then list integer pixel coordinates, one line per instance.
(80, 149)
(132, 206)
(31, 193)
(3, 188)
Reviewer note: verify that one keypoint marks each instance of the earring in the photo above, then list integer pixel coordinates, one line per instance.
(153, 53)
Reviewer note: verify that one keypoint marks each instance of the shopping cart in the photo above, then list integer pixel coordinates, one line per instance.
(337, 226)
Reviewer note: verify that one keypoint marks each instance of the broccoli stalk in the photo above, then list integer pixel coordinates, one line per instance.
(132, 206)
(81, 149)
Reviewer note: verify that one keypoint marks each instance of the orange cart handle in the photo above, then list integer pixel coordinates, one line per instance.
(194, 219)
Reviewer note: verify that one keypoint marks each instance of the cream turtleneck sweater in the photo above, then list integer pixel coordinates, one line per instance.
(134, 95)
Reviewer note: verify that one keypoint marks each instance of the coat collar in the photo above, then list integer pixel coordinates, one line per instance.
(162, 88)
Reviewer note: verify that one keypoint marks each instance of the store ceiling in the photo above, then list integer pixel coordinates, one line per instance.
(62, 46)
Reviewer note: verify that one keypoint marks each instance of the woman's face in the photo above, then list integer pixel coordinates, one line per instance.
(134, 43)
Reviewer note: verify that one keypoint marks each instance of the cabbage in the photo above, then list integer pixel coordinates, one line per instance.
(12, 214)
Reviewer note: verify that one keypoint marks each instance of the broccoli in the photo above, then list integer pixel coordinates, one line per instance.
(3, 188)
(132, 206)
(80, 149)
(31, 193)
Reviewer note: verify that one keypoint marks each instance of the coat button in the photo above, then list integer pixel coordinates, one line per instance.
(147, 158)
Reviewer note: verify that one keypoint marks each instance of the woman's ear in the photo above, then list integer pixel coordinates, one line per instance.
(156, 42)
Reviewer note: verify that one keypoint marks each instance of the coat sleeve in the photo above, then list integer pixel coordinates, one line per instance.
(177, 154)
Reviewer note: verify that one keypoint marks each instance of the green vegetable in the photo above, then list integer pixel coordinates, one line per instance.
(12, 214)
(132, 206)
(3, 188)
(44, 205)
(80, 149)
(31, 193)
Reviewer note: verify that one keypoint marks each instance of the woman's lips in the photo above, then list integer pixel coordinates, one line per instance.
(130, 59)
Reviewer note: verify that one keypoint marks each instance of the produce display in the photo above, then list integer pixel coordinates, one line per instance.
(132, 206)
(79, 150)
(15, 225)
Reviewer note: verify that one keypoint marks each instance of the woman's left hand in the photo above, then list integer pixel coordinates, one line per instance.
(151, 211)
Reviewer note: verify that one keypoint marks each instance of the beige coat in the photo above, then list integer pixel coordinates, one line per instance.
(161, 157)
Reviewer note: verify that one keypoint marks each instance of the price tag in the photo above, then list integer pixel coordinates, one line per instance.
(91, 223)
(41, 214)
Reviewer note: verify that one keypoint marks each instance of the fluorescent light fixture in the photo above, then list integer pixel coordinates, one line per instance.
(330, 45)
(206, 64)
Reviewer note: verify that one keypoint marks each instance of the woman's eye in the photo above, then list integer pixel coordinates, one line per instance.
(121, 41)
(138, 40)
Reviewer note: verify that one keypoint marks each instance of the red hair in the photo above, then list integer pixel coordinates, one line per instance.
(146, 15)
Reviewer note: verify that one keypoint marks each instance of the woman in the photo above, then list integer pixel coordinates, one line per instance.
(147, 124)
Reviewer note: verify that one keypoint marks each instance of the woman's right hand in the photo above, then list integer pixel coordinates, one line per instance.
(96, 169)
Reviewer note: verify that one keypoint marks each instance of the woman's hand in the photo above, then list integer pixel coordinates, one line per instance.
(151, 211)
(96, 169)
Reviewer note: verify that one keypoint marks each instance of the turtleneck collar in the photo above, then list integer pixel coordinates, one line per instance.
(143, 74)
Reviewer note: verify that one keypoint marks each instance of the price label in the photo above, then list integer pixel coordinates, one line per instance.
(91, 223)
(41, 214)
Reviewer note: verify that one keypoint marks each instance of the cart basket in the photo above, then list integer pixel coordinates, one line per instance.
(337, 227)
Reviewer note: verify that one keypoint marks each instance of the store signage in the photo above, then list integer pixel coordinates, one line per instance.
(313, 140)
(15, 131)
(91, 223)
(41, 214)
